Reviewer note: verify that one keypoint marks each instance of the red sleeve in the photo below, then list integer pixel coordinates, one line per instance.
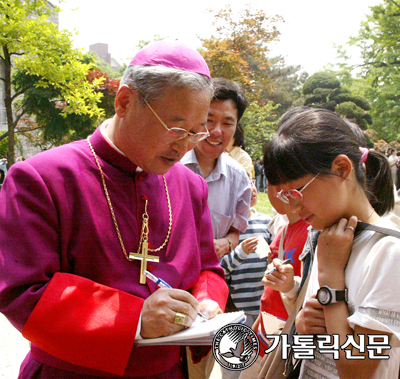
(78, 320)
(211, 286)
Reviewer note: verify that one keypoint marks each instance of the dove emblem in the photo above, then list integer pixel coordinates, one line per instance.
(236, 347)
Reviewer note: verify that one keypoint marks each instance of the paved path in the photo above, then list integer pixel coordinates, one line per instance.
(13, 349)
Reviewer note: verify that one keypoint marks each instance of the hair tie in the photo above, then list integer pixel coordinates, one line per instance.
(364, 154)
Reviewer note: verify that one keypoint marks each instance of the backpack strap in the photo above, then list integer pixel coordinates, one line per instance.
(364, 226)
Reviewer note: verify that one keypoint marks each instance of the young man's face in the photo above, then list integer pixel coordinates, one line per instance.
(221, 123)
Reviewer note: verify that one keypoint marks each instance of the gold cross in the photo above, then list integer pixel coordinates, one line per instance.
(144, 258)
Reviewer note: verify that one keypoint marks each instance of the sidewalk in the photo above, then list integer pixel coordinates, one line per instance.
(13, 349)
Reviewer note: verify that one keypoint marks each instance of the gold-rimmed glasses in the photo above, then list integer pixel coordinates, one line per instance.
(177, 134)
(294, 194)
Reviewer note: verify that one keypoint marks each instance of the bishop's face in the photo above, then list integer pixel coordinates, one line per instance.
(144, 140)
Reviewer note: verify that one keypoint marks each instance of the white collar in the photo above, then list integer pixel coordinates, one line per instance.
(103, 127)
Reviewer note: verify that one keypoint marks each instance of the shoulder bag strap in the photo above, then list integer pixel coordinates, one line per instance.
(364, 226)
(272, 365)
(281, 250)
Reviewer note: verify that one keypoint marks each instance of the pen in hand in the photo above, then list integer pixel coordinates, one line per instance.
(285, 262)
(164, 284)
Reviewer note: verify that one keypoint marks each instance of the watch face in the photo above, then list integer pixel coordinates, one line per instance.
(324, 296)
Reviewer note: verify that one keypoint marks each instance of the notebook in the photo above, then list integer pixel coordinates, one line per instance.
(200, 333)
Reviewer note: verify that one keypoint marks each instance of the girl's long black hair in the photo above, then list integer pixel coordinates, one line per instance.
(307, 142)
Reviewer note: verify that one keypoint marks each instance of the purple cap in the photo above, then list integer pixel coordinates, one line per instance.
(172, 54)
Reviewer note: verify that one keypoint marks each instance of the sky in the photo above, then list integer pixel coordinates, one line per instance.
(310, 30)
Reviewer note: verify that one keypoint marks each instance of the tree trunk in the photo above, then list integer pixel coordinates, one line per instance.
(8, 104)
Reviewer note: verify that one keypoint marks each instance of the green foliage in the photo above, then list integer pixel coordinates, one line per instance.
(351, 111)
(320, 80)
(121, 70)
(324, 90)
(32, 45)
(47, 105)
(97, 63)
(285, 90)
(3, 148)
(263, 204)
(258, 127)
(378, 76)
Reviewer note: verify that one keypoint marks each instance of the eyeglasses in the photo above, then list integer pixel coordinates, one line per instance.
(177, 134)
(293, 193)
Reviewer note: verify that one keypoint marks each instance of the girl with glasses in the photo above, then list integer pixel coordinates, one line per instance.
(319, 169)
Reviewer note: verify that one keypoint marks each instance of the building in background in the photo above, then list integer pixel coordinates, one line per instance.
(101, 49)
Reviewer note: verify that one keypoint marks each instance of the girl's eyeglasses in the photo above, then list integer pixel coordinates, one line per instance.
(178, 133)
(293, 193)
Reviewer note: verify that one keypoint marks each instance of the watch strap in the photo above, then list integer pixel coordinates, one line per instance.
(340, 295)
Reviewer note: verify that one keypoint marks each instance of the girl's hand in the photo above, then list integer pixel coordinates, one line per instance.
(334, 248)
(282, 279)
(311, 320)
(270, 256)
(249, 245)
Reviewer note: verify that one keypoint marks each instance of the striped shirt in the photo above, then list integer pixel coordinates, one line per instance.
(243, 271)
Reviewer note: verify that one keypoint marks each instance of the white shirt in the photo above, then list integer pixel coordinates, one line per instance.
(229, 193)
(372, 279)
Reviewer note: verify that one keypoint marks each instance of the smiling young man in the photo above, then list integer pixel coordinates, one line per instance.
(229, 188)
(80, 223)
(228, 184)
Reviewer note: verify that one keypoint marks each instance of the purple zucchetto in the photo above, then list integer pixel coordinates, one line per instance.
(172, 54)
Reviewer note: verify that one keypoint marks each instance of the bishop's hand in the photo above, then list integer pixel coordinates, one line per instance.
(159, 312)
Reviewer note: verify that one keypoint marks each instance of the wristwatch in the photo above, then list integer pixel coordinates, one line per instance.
(326, 295)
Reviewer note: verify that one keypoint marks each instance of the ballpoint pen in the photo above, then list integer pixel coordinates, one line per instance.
(285, 262)
(164, 284)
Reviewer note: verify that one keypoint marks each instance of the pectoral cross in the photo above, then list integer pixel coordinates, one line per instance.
(143, 256)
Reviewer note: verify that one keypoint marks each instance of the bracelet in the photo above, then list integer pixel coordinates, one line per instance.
(230, 244)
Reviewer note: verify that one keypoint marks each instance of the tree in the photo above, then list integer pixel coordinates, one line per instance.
(378, 43)
(33, 45)
(285, 90)
(324, 90)
(108, 88)
(44, 122)
(239, 49)
(258, 127)
(95, 61)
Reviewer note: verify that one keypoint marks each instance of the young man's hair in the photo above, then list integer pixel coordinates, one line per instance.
(228, 90)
